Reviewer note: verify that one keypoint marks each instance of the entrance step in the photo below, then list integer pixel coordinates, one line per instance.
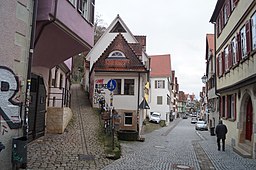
(245, 146)
(240, 151)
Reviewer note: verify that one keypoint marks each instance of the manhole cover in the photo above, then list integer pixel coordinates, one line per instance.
(82, 157)
(177, 167)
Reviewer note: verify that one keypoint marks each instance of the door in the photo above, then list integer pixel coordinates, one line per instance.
(249, 120)
(37, 108)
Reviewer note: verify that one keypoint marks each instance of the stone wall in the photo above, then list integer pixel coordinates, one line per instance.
(57, 119)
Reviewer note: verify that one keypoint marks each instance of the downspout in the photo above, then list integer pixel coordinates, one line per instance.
(138, 103)
(215, 63)
(30, 57)
(47, 23)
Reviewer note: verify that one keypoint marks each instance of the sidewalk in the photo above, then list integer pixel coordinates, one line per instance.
(77, 148)
(223, 160)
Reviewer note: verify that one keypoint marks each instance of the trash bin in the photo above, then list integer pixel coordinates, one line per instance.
(19, 152)
(212, 131)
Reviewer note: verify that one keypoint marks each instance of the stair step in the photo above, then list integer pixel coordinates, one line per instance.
(245, 146)
(242, 152)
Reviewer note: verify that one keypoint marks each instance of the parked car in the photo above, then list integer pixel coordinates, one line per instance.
(201, 125)
(193, 120)
(155, 117)
(184, 116)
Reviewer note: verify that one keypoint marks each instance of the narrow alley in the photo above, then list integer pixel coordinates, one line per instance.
(77, 148)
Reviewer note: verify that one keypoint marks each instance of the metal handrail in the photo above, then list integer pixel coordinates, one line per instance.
(65, 96)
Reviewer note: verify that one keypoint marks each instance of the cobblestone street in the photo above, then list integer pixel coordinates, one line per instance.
(77, 148)
(177, 146)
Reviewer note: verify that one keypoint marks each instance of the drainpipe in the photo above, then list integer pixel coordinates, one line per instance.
(138, 102)
(47, 23)
(215, 82)
(30, 57)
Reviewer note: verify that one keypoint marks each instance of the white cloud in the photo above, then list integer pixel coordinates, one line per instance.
(176, 27)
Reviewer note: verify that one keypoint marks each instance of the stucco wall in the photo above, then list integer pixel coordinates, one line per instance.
(15, 30)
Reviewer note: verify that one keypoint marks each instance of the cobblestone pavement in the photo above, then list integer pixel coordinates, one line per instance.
(77, 148)
(179, 146)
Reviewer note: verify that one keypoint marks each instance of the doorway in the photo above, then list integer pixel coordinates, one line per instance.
(249, 120)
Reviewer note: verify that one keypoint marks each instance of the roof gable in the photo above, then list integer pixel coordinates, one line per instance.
(129, 63)
(160, 65)
(113, 29)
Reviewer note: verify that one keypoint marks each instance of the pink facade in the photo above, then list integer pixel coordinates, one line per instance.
(61, 33)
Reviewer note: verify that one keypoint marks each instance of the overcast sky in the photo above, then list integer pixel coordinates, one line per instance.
(175, 27)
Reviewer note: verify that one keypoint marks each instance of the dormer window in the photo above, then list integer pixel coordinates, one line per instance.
(116, 54)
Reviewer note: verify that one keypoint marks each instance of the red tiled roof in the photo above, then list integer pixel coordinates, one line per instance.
(160, 65)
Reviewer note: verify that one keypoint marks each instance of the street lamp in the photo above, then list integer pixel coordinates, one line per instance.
(204, 79)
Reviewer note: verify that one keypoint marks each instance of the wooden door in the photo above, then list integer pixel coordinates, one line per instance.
(249, 120)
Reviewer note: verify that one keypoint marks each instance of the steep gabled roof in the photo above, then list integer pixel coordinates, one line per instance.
(160, 65)
(117, 26)
(129, 63)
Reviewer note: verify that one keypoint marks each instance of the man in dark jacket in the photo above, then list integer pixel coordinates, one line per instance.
(221, 131)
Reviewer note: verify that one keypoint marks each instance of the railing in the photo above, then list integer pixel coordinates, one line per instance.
(59, 97)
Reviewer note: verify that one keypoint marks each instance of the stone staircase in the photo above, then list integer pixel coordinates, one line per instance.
(244, 150)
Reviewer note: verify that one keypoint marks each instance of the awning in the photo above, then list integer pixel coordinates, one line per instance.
(144, 104)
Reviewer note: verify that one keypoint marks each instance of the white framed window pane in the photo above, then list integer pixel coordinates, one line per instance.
(159, 100)
(254, 31)
(233, 46)
(129, 87)
(127, 118)
(243, 42)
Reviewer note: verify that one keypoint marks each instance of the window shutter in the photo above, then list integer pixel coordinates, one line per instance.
(235, 106)
(228, 8)
(92, 11)
(229, 56)
(226, 107)
(218, 66)
(223, 62)
(235, 2)
(238, 48)
(248, 36)
(217, 27)
(221, 107)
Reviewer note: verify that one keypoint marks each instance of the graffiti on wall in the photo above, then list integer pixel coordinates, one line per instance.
(99, 93)
(10, 110)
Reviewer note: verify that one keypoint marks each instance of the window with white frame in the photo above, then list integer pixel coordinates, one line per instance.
(220, 64)
(231, 106)
(226, 58)
(128, 119)
(128, 86)
(243, 41)
(159, 84)
(83, 8)
(253, 31)
(233, 49)
(225, 17)
(116, 54)
(159, 100)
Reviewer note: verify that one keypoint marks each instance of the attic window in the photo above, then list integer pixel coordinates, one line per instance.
(118, 28)
(116, 54)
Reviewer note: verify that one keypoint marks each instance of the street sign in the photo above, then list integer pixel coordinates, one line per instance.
(111, 85)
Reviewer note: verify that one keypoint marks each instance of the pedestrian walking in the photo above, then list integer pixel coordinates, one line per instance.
(221, 131)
